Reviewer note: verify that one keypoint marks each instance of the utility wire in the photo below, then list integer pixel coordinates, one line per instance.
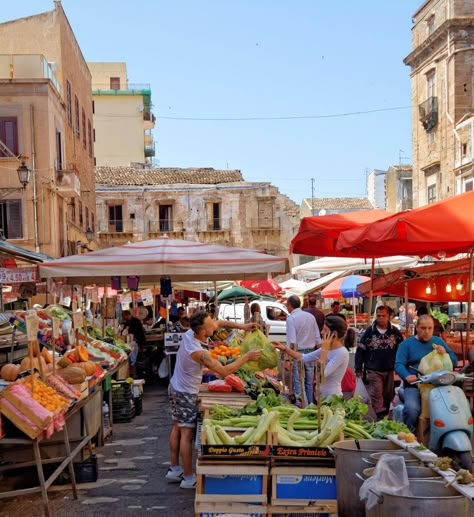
(334, 115)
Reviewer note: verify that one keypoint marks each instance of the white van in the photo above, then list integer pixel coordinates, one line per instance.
(274, 314)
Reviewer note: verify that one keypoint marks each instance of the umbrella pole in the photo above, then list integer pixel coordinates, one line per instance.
(216, 308)
(469, 301)
(407, 330)
(371, 298)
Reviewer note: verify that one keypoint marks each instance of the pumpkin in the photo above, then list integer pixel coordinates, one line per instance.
(46, 356)
(82, 355)
(27, 365)
(9, 372)
(64, 361)
(89, 367)
(72, 374)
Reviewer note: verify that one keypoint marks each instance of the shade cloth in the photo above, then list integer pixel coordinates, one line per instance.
(317, 235)
(181, 260)
(439, 229)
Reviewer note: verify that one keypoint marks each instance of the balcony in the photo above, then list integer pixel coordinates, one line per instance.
(266, 224)
(173, 229)
(148, 119)
(67, 181)
(28, 66)
(216, 224)
(428, 113)
(131, 89)
(149, 144)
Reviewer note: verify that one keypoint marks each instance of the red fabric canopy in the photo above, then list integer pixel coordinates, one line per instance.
(440, 229)
(436, 276)
(317, 235)
(268, 286)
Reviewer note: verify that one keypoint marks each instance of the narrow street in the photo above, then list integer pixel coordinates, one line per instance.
(131, 480)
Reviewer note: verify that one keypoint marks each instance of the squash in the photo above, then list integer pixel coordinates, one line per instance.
(46, 356)
(89, 367)
(9, 372)
(72, 374)
(82, 354)
(27, 365)
(64, 362)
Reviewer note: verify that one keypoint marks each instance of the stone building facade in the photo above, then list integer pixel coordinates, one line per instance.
(46, 121)
(398, 188)
(205, 205)
(442, 90)
(333, 205)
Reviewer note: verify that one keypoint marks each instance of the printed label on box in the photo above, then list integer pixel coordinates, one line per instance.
(230, 484)
(235, 450)
(306, 486)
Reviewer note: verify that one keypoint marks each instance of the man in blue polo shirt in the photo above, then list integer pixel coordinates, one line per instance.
(410, 353)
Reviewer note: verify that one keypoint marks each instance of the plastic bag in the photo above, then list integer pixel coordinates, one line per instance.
(390, 476)
(435, 361)
(257, 339)
(361, 391)
(219, 385)
(163, 370)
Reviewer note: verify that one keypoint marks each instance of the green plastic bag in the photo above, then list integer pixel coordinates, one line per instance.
(435, 361)
(257, 339)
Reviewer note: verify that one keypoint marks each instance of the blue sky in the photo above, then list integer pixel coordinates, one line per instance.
(262, 59)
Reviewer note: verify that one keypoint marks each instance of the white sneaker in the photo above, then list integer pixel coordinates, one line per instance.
(188, 483)
(174, 476)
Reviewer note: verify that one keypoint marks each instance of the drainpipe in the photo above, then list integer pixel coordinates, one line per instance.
(33, 172)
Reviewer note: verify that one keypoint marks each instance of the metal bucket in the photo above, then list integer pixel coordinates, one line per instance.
(349, 455)
(429, 498)
(412, 472)
(409, 458)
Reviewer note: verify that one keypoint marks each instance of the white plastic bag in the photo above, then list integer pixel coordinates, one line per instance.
(390, 476)
(361, 390)
(163, 370)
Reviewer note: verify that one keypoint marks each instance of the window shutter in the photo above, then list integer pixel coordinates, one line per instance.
(14, 226)
(210, 215)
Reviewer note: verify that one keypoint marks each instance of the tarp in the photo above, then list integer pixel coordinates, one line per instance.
(439, 229)
(12, 250)
(418, 279)
(179, 259)
(329, 264)
(317, 235)
(267, 286)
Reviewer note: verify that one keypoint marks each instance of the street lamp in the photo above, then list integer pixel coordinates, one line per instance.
(24, 174)
(89, 234)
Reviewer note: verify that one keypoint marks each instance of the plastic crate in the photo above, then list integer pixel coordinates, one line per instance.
(123, 408)
(86, 471)
(137, 402)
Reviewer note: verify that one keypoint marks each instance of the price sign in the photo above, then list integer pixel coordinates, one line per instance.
(147, 297)
(32, 325)
(95, 295)
(77, 319)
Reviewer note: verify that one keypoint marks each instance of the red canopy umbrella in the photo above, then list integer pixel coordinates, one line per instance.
(440, 229)
(269, 287)
(317, 235)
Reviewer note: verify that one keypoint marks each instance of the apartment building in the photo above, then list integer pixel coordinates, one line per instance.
(442, 84)
(123, 118)
(46, 122)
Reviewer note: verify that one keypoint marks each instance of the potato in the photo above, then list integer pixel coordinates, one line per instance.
(402, 435)
(410, 438)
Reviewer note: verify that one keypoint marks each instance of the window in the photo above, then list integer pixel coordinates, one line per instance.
(115, 83)
(265, 213)
(464, 149)
(10, 219)
(132, 216)
(431, 194)
(430, 25)
(115, 218)
(59, 152)
(73, 211)
(93, 107)
(81, 219)
(9, 134)
(87, 218)
(432, 137)
(469, 185)
(84, 133)
(78, 120)
(69, 103)
(213, 216)
(431, 84)
(89, 133)
(166, 218)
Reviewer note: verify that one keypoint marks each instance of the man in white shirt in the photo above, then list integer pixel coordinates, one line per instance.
(184, 388)
(302, 335)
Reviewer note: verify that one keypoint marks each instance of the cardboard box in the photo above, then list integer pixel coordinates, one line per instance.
(223, 509)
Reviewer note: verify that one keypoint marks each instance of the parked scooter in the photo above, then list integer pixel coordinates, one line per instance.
(451, 421)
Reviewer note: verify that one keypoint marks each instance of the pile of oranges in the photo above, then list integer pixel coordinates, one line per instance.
(47, 396)
(223, 353)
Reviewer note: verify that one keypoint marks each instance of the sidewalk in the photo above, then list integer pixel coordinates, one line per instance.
(131, 480)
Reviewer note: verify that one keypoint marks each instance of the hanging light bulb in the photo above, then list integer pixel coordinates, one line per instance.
(434, 291)
(448, 287)
(428, 288)
(459, 285)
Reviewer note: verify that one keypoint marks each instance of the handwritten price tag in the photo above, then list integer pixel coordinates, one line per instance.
(56, 327)
(32, 325)
(77, 319)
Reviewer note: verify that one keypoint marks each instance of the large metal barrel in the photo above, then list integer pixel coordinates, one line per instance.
(412, 472)
(428, 498)
(406, 455)
(349, 455)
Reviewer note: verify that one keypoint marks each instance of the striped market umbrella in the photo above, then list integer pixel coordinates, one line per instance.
(345, 287)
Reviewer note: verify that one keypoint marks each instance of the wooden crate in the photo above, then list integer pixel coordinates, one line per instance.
(222, 509)
(304, 486)
(219, 482)
(299, 511)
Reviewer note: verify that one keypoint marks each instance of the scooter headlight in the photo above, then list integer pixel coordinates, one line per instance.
(446, 379)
